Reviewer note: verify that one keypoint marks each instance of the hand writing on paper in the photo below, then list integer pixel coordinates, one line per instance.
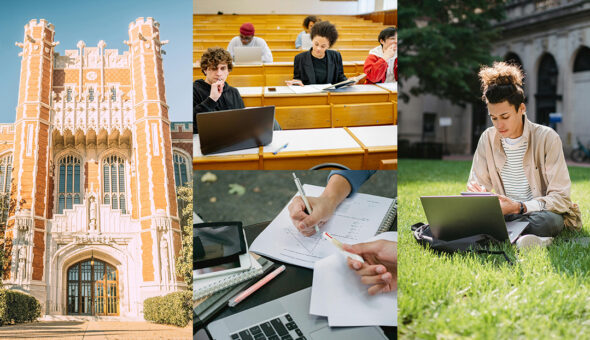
(380, 267)
(294, 82)
(216, 89)
(322, 209)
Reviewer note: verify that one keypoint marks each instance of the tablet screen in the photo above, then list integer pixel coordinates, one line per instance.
(218, 245)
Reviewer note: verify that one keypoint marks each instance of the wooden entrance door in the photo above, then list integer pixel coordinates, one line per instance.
(92, 288)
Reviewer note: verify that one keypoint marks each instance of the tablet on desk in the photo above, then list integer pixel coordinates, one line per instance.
(219, 248)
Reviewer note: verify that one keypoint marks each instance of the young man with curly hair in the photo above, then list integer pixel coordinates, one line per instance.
(213, 93)
(522, 162)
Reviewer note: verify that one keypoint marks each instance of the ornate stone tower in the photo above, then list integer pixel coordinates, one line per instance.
(27, 224)
(158, 212)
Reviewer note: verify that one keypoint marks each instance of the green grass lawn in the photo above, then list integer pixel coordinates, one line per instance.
(544, 295)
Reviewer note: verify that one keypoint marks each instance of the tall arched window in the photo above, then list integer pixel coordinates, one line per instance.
(5, 178)
(69, 183)
(582, 62)
(113, 172)
(181, 174)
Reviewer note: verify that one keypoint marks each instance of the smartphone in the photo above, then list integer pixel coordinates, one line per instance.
(272, 89)
(219, 248)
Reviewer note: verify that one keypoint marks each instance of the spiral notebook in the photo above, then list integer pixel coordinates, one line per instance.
(389, 222)
(210, 285)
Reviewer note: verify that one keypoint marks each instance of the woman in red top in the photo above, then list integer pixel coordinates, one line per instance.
(381, 64)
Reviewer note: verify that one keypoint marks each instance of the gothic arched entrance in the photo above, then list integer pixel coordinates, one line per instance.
(92, 288)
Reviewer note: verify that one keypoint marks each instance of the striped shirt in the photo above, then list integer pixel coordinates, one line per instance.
(516, 185)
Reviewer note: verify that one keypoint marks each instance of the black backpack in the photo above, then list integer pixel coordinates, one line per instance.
(476, 243)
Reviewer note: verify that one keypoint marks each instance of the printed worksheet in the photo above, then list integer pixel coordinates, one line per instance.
(355, 220)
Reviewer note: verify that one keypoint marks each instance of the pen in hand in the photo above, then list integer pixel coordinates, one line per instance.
(304, 198)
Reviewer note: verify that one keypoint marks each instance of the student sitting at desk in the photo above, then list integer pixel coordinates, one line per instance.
(380, 268)
(247, 39)
(381, 64)
(308, 23)
(319, 65)
(522, 162)
(213, 93)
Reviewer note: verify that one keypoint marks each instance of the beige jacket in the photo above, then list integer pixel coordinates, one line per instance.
(544, 167)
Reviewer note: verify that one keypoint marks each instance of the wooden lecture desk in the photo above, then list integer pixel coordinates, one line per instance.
(306, 108)
(356, 148)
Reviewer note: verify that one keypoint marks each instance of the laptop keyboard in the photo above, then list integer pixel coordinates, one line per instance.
(282, 327)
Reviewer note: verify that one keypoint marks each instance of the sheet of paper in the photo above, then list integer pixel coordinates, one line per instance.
(390, 86)
(338, 293)
(250, 91)
(311, 139)
(356, 219)
(308, 88)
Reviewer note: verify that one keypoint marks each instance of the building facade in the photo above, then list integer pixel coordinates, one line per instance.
(550, 39)
(88, 175)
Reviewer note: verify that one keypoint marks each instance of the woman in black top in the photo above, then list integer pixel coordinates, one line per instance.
(213, 93)
(319, 65)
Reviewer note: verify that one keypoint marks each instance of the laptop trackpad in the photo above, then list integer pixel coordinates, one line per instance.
(339, 333)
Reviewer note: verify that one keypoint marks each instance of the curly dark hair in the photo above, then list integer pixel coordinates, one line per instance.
(215, 56)
(308, 19)
(325, 29)
(502, 82)
(386, 34)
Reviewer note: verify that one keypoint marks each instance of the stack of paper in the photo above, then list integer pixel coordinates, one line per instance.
(338, 294)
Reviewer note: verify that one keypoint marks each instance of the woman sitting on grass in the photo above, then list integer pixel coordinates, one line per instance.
(521, 161)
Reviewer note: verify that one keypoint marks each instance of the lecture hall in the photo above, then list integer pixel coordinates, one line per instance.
(267, 54)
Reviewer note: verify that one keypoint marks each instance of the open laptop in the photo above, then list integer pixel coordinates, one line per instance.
(284, 317)
(231, 130)
(454, 217)
(247, 55)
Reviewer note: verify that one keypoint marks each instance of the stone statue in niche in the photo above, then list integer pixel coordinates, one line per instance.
(164, 257)
(22, 263)
(92, 213)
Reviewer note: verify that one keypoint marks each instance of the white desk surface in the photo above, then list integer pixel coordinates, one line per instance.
(359, 89)
(250, 90)
(370, 136)
(389, 86)
(197, 150)
(311, 139)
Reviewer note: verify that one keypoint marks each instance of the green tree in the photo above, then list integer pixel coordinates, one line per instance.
(184, 261)
(443, 43)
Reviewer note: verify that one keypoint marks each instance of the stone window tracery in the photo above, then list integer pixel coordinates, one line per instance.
(114, 183)
(68, 183)
(181, 173)
(5, 179)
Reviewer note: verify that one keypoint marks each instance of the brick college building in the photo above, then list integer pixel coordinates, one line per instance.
(88, 176)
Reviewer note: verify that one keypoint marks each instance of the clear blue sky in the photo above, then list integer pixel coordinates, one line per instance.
(93, 21)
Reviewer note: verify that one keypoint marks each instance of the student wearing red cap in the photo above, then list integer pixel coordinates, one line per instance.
(247, 39)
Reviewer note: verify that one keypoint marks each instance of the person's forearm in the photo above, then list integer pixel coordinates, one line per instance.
(336, 191)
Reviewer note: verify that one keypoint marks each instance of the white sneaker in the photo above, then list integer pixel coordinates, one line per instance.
(527, 241)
